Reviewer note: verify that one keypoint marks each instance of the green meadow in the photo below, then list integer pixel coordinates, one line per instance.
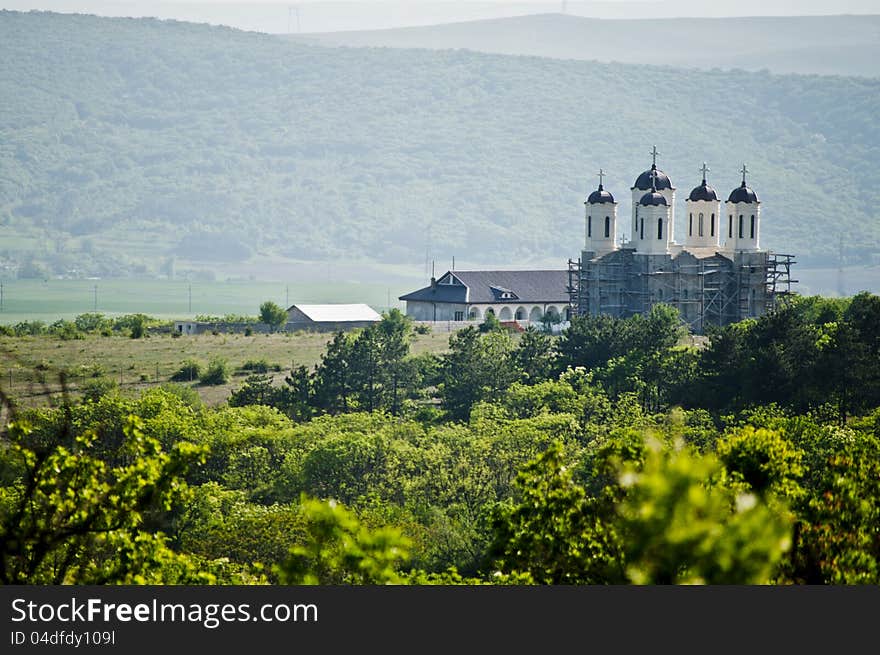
(49, 300)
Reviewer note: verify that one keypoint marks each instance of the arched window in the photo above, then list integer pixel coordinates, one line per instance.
(607, 226)
(752, 230)
(701, 225)
(730, 226)
(712, 226)
(642, 229)
(659, 228)
(740, 226)
(589, 227)
(691, 225)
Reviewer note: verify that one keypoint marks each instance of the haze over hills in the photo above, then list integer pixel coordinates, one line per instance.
(829, 45)
(127, 142)
(281, 17)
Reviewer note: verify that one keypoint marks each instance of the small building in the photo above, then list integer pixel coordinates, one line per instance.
(327, 318)
(509, 295)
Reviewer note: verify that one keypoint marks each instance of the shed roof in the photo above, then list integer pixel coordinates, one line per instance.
(337, 313)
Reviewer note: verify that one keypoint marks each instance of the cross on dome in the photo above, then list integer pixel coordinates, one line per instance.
(654, 154)
(705, 169)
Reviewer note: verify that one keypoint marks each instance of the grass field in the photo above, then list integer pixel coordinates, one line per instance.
(29, 366)
(54, 299)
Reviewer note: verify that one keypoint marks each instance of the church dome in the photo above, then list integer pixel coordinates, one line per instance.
(742, 193)
(652, 198)
(660, 180)
(600, 196)
(703, 192)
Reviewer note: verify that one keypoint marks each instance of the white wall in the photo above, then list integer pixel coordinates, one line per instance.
(707, 208)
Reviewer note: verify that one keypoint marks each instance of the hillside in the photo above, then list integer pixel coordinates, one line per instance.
(125, 143)
(827, 45)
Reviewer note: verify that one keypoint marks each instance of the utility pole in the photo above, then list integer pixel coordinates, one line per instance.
(190, 298)
(96, 298)
(287, 296)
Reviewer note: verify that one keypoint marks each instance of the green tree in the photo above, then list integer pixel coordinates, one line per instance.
(475, 368)
(69, 517)
(272, 315)
(340, 550)
(533, 356)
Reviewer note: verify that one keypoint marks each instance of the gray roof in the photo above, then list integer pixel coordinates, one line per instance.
(490, 287)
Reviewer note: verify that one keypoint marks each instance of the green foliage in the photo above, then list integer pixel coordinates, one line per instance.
(555, 533)
(92, 323)
(70, 517)
(681, 525)
(189, 371)
(490, 323)
(65, 330)
(838, 535)
(261, 366)
(339, 550)
(272, 314)
(477, 367)
(96, 388)
(216, 373)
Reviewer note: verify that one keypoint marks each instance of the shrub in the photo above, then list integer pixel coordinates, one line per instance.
(65, 330)
(216, 373)
(190, 370)
(422, 328)
(92, 322)
(97, 388)
(260, 366)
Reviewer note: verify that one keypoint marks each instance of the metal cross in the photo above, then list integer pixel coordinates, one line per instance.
(744, 171)
(654, 154)
(601, 177)
(705, 170)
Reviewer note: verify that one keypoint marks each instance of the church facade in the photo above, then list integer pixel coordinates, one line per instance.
(716, 274)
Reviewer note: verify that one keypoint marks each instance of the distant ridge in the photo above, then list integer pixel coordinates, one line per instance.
(827, 45)
(140, 146)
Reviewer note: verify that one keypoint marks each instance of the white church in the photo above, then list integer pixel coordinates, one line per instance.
(716, 274)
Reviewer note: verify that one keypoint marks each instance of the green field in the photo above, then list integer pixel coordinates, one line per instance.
(54, 299)
(30, 366)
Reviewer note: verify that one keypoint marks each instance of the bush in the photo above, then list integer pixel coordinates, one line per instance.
(97, 388)
(259, 366)
(190, 370)
(422, 328)
(29, 328)
(65, 330)
(216, 373)
(92, 322)
(187, 395)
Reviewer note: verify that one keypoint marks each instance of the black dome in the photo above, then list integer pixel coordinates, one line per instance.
(742, 193)
(600, 196)
(652, 198)
(661, 181)
(703, 192)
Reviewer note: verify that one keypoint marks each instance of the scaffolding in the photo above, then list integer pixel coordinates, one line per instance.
(709, 291)
(778, 280)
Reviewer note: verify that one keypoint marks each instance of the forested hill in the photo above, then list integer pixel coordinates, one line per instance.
(828, 45)
(137, 139)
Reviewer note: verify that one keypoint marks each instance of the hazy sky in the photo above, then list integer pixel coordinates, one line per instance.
(279, 16)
